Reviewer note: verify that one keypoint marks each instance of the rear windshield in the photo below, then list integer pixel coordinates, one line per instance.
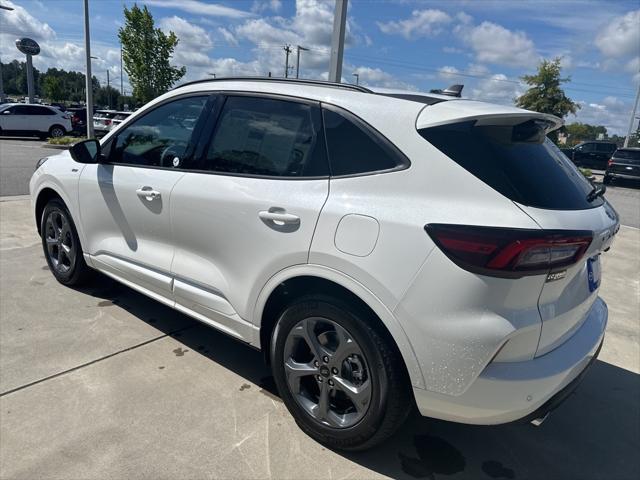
(517, 161)
(629, 156)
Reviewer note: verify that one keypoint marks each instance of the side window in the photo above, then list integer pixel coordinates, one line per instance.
(159, 138)
(605, 148)
(587, 147)
(353, 149)
(41, 111)
(264, 136)
(21, 110)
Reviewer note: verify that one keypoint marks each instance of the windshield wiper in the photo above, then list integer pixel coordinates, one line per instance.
(596, 191)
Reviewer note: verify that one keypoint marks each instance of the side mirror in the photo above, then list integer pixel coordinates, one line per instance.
(87, 151)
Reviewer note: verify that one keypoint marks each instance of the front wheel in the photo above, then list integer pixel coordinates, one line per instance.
(57, 131)
(61, 245)
(340, 377)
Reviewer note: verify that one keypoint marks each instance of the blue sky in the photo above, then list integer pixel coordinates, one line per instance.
(416, 44)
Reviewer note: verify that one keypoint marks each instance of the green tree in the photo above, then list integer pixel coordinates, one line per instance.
(106, 96)
(146, 52)
(578, 132)
(545, 94)
(52, 88)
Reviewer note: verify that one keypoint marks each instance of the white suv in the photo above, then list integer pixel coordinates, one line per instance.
(382, 248)
(40, 120)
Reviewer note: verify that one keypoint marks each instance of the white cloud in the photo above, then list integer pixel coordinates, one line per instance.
(497, 89)
(492, 43)
(197, 7)
(448, 72)
(376, 77)
(228, 36)
(191, 36)
(260, 6)
(20, 23)
(611, 112)
(421, 23)
(621, 36)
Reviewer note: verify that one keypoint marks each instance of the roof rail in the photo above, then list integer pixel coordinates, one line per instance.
(321, 83)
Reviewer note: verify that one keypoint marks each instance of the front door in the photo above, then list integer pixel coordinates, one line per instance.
(248, 207)
(125, 201)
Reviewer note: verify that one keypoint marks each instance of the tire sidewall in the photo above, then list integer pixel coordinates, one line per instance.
(344, 316)
(72, 275)
(54, 128)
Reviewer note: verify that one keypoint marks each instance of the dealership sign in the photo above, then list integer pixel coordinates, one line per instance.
(28, 46)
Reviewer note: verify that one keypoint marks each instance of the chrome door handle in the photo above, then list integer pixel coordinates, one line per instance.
(148, 193)
(278, 217)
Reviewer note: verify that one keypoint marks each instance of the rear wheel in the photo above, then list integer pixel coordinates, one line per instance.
(61, 245)
(342, 381)
(607, 179)
(57, 131)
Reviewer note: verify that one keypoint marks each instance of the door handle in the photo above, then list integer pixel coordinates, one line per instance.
(148, 193)
(278, 217)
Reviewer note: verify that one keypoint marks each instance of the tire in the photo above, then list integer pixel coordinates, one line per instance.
(61, 245)
(358, 356)
(606, 180)
(57, 131)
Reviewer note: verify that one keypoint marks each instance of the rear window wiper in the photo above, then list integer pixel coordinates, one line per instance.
(596, 191)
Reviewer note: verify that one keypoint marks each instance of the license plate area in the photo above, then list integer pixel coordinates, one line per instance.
(593, 273)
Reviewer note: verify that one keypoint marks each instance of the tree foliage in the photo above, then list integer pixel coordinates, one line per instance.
(545, 94)
(579, 132)
(106, 96)
(146, 52)
(52, 88)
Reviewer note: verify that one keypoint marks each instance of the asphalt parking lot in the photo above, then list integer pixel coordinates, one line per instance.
(105, 383)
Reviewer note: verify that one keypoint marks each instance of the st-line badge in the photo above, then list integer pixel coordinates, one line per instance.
(552, 277)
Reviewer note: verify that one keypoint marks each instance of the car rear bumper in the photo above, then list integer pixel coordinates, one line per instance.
(509, 391)
(622, 175)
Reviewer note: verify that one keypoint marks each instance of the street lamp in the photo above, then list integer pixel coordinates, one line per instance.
(2, 7)
(357, 75)
(211, 73)
(88, 82)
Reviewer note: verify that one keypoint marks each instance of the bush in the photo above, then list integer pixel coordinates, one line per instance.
(586, 172)
(64, 140)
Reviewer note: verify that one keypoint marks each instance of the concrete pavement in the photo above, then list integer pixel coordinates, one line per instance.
(105, 383)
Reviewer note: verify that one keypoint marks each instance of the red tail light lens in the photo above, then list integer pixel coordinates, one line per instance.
(107, 122)
(609, 162)
(506, 252)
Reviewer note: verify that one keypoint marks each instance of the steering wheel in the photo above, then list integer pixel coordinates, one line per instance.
(171, 156)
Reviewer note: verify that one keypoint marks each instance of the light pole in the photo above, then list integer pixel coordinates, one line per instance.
(211, 73)
(337, 41)
(298, 59)
(357, 75)
(89, 83)
(633, 119)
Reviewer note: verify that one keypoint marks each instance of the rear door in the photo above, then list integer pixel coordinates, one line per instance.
(247, 206)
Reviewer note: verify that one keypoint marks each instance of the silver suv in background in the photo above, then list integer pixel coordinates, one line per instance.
(383, 248)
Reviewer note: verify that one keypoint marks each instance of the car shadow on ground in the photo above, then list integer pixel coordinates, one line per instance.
(595, 434)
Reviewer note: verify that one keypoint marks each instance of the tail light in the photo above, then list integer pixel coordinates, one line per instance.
(610, 162)
(107, 122)
(506, 252)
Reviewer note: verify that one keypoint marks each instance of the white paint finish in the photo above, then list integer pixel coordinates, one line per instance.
(33, 123)
(506, 392)
(222, 242)
(357, 235)
(121, 224)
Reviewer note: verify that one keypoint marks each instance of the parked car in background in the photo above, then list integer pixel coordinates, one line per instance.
(591, 154)
(102, 121)
(29, 119)
(119, 118)
(624, 164)
(269, 209)
(78, 118)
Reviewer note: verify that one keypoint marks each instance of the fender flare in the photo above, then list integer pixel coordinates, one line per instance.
(379, 308)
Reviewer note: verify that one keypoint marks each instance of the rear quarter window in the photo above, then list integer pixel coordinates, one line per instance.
(628, 156)
(528, 169)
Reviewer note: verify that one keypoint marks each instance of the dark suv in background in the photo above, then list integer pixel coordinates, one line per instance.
(591, 154)
(625, 164)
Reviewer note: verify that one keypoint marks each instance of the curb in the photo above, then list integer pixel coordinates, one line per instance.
(56, 147)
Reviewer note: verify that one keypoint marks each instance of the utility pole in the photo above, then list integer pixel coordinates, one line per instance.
(298, 59)
(211, 73)
(89, 83)
(337, 41)
(108, 89)
(121, 74)
(357, 75)
(633, 118)
(287, 51)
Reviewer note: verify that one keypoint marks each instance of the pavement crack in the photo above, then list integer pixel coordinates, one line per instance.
(78, 367)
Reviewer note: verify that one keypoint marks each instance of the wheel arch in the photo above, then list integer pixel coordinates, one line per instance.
(293, 282)
(44, 196)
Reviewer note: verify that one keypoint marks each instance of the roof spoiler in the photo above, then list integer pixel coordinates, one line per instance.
(452, 91)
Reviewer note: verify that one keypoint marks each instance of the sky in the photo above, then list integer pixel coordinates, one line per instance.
(411, 44)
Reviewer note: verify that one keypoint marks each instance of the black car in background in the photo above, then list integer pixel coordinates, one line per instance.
(625, 164)
(591, 154)
(78, 118)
